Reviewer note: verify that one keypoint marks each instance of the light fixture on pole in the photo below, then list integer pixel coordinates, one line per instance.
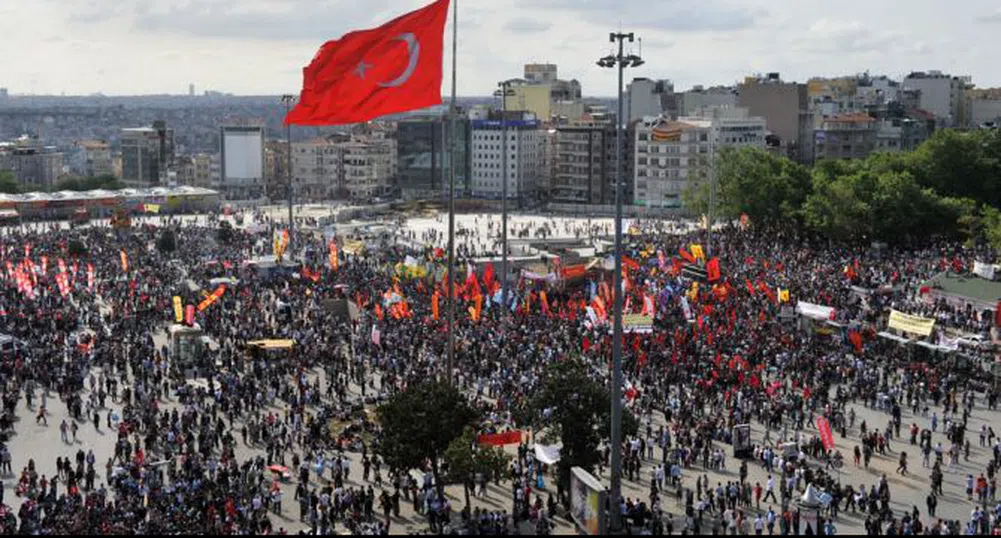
(504, 92)
(621, 61)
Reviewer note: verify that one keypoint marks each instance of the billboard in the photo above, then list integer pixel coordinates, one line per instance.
(587, 501)
(242, 155)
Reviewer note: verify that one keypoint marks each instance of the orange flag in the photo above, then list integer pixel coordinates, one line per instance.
(125, 262)
(378, 312)
(434, 305)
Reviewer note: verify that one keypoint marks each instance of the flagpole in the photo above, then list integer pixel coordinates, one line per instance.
(451, 199)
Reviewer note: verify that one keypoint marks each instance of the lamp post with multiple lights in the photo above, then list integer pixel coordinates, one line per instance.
(621, 61)
(504, 92)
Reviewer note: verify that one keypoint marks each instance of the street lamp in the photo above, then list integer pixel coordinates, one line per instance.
(621, 61)
(504, 92)
(288, 100)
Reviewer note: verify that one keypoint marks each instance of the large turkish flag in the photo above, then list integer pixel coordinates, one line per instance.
(370, 73)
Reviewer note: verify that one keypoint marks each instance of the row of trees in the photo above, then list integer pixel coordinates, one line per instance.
(10, 185)
(949, 186)
(431, 424)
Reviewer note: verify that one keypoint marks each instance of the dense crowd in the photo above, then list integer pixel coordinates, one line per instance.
(214, 445)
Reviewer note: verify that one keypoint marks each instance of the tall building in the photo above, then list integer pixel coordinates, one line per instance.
(147, 154)
(785, 107)
(368, 167)
(195, 170)
(846, 136)
(580, 165)
(35, 166)
(941, 94)
(698, 98)
(645, 97)
(423, 157)
(276, 169)
(241, 156)
(542, 93)
(672, 155)
(343, 166)
(523, 159)
(93, 158)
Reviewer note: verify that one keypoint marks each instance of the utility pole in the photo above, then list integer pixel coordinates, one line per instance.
(452, 110)
(288, 99)
(621, 61)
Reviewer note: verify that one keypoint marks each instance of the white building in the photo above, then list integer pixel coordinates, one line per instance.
(524, 158)
(342, 166)
(671, 155)
(645, 97)
(241, 158)
(941, 94)
(698, 97)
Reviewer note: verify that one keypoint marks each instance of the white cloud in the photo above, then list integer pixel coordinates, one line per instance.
(260, 46)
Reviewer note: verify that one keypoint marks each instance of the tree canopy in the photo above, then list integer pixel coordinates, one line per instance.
(940, 189)
(420, 423)
(9, 184)
(78, 184)
(572, 408)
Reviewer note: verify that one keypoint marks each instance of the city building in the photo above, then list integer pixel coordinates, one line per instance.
(983, 107)
(241, 156)
(523, 156)
(423, 157)
(785, 107)
(92, 158)
(580, 167)
(534, 98)
(194, 170)
(147, 154)
(343, 166)
(34, 165)
(671, 155)
(941, 94)
(544, 94)
(846, 136)
(645, 98)
(699, 98)
(276, 169)
(541, 73)
(368, 167)
(547, 162)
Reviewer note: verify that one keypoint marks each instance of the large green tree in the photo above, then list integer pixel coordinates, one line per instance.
(571, 408)
(420, 423)
(767, 187)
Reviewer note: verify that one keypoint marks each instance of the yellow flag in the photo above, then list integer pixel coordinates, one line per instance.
(178, 309)
(783, 295)
(697, 251)
(152, 208)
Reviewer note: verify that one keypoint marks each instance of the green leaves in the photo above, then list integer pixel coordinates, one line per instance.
(464, 458)
(421, 422)
(8, 184)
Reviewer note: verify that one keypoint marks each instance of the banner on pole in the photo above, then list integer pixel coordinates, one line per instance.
(826, 436)
(178, 309)
(911, 324)
(500, 439)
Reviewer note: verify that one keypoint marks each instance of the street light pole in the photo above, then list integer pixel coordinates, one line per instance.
(288, 99)
(504, 175)
(451, 198)
(615, 491)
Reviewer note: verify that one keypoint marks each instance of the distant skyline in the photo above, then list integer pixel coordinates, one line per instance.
(258, 47)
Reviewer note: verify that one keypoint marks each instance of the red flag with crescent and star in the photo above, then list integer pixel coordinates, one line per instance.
(370, 73)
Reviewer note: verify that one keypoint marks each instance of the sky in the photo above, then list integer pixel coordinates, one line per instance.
(259, 47)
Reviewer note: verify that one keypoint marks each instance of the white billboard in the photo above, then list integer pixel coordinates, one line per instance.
(243, 155)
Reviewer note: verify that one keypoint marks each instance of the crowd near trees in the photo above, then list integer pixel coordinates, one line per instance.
(950, 186)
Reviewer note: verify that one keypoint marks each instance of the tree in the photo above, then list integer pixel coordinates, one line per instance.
(78, 184)
(992, 226)
(465, 458)
(572, 408)
(769, 188)
(420, 423)
(8, 184)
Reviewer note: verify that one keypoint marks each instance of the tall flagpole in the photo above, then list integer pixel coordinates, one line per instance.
(451, 198)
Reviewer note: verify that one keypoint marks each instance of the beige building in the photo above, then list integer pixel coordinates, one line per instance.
(580, 165)
(35, 166)
(195, 170)
(983, 107)
(785, 106)
(534, 98)
(343, 166)
(847, 136)
(97, 157)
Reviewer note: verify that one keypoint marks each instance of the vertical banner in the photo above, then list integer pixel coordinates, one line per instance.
(178, 309)
(189, 314)
(826, 436)
(90, 277)
(125, 262)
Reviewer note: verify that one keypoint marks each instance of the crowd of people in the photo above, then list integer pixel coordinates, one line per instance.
(227, 441)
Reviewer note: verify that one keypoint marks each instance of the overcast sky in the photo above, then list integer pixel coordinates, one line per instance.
(260, 46)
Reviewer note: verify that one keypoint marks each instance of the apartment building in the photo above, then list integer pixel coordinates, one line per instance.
(785, 106)
(343, 166)
(147, 154)
(846, 136)
(424, 148)
(941, 94)
(579, 175)
(524, 157)
(92, 158)
(645, 97)
(35, 166)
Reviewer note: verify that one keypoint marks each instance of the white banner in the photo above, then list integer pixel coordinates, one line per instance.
(814, 311)
(984, 270)
(547, 454)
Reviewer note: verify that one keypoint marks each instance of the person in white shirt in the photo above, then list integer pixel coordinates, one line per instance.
(759, 525)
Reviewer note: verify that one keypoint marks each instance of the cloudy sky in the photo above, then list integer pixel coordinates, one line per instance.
(260, 46)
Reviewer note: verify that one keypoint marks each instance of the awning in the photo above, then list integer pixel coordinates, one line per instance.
(8, 214)
(272, 344)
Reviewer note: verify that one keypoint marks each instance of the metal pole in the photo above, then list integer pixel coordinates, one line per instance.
(504, 174)
(451, 203)
(287, 99)
(712, 187)
(616, 388)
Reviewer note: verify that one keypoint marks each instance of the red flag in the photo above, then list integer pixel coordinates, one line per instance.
(189, 314)
(686, 255)
(370, 73)
(712, 270)
(826, 436)
(997, 314)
